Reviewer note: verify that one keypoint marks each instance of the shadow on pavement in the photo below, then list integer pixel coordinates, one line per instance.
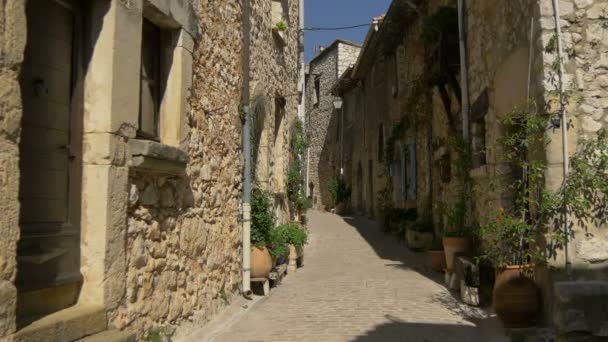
(421, 332)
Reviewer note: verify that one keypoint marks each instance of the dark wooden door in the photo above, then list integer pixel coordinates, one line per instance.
(49, 247)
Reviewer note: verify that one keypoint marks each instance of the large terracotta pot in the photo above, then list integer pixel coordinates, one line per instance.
(437, 260)
(453, 245)
(261, 262)
(515, 298)
(418, 240)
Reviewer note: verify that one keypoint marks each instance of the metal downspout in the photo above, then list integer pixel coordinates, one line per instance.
(246, 266)
(464, 84)
(564, 124)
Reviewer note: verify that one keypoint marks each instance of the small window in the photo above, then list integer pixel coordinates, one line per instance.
(150, 82)
(317, 93)
(280, 11)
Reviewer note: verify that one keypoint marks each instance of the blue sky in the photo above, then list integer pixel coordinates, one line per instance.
(339, 13)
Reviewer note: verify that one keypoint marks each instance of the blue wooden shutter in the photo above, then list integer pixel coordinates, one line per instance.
(412, 172)
(403, 172)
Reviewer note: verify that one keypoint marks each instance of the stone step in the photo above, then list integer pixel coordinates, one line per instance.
(110, 336)
(70, 324)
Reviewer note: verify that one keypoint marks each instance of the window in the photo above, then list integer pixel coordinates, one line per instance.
(150, 82)
(280, 11)
(317, 92)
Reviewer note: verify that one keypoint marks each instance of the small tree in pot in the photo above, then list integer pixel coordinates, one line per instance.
(262, 223)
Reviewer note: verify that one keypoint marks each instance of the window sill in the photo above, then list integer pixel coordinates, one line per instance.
(153, 157)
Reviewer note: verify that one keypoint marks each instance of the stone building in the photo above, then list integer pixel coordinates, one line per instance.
(121, 163)
(322, 118)
(400, 135)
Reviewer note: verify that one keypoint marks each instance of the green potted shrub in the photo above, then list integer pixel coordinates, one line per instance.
(509, 244)
(340, 194)
(295, 236)
(437, 255)
(303, 203)
(277, 245)
(456, 237)
(419, 233)
(262, 223)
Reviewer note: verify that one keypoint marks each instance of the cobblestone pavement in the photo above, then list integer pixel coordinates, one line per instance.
(359, 284)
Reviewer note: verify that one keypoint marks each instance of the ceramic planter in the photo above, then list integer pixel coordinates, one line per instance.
(453, 245)
(418, 240)
(437, 260)
(261, 262)
(515, 298)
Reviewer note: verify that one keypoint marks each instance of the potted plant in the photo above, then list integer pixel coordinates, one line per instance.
(278, 247)
(303, 203)
(419, 233)
(508, 243)
(340, 193)
(295, 236)
(437, 255)
(456, 236)
(279, 30)
(262, 222)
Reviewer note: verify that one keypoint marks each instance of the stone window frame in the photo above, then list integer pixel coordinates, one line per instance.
(162, 154)
(111, 93)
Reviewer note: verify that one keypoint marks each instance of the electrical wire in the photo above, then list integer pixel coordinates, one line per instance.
(334, 28)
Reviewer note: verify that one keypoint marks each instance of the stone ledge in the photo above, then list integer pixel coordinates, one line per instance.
(66, 325)
(581, 306)
(154, 157)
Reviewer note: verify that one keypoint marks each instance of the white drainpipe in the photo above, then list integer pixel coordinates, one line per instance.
(564, 125)
(464, 84)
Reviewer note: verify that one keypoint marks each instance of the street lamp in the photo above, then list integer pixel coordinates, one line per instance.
(338, 103)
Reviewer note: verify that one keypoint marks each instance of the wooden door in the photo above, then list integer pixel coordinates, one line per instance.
(49, 248)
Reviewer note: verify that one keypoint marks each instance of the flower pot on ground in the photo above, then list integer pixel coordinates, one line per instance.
(437, 256)
(419, 234)
(262, 221)
(515, 298)
(508, 241)
(261, 262)
(295, 236)
(454, 242)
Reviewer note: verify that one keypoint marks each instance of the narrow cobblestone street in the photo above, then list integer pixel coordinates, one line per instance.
(359, 284)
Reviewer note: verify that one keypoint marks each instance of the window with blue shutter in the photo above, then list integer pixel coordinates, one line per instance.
(412, 172)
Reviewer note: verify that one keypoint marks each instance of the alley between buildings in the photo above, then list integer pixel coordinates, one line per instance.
(357, 284)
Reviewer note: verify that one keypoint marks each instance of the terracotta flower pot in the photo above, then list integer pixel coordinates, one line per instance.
(453, 245)
(515, 298)
(261, 262)
(437, 260)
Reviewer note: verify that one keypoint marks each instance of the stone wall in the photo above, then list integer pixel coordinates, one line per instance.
(347, 56)
(274, 74)
(585, 44)
(321, 166)
(12, 45)
(322, 126)
(184, 233)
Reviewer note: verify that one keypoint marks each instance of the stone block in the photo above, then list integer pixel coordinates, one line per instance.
(469, 294)
(581, 306)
